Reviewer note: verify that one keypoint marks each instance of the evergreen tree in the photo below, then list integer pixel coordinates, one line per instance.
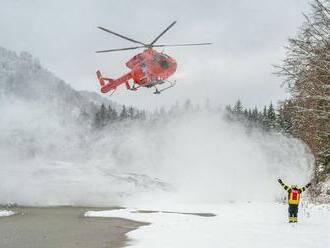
(112, 114)
(103, 113)
(162, 112)
(97, 120)
(175, 109)
(249, 114)
(255, 115)
(101, 117)
(143, 115)
(271, 117)
(229, 109)
(238, 108)
(264, 120)
(188, 105)
(123, 114)
(131, 113)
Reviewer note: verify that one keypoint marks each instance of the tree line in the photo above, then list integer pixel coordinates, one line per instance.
(107, 115)
(267, 118)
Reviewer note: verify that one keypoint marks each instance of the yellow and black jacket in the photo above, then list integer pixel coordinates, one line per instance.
(294, 193)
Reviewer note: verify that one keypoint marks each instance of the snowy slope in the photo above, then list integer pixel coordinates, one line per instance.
(255, 225)
(97, 99)
(23, 77)
(41, 115)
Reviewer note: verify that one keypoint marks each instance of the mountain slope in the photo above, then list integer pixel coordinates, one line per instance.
(22, 77)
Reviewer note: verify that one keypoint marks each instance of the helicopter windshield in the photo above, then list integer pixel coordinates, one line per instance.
(162, 60)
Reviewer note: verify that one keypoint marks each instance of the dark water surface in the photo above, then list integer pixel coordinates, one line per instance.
(62, 227)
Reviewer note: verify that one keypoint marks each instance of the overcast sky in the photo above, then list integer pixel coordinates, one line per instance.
(248, 36)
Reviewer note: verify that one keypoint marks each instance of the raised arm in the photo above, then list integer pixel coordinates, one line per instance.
(286, 187)
(305, 187)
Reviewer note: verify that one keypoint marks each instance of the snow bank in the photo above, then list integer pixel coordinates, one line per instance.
(235, 225)
(4, 213)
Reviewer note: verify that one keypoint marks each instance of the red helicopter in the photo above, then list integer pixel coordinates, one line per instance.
(148, 69)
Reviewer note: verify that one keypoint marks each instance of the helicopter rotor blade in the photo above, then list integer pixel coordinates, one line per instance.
(119, 49)
(188, 44)
(122, 36)
(162, 33)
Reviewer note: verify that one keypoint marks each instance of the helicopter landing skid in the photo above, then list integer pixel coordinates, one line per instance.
(112, 92)
(134, 87)
(171, 84)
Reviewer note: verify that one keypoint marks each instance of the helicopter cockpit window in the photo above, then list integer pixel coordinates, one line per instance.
(162, 61)
(164, 64)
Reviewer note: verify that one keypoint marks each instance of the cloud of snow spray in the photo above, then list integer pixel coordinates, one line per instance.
(209, 160)
(201, 158)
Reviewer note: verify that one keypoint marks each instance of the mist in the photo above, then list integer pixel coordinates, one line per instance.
(190, 157)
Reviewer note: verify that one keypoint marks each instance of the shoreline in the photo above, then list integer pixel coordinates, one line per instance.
(65, 226)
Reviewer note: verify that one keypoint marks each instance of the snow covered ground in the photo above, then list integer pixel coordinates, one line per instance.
(235, 225)
(4, 213)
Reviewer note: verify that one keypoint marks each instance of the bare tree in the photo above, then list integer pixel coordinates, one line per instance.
(306, 72)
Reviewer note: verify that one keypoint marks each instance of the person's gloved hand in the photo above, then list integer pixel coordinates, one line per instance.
(308, 185)
(280, 181)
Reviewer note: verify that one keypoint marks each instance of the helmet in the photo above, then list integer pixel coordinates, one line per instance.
(294, 186)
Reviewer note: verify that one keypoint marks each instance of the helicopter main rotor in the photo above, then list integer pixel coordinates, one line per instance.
(144, 45)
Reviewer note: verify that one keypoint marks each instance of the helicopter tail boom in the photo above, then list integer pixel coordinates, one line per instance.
(108, 84)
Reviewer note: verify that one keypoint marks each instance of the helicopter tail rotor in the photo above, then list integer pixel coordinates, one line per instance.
(105, 83)
(101, 79)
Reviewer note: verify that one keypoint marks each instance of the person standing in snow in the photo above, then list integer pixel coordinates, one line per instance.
(293, 199)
